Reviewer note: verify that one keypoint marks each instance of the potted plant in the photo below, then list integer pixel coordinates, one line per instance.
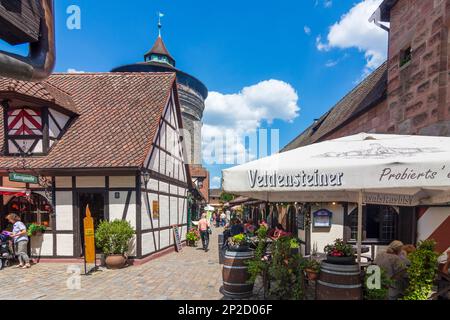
(295, 246)
(340, 252)
(238, 243)
(312, 269)
(35, 229)
(192, 237)
(113, 238)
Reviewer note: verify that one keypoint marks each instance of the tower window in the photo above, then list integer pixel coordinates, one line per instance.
(405, 56)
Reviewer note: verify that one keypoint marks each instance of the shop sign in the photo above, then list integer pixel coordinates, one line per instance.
(389, 199)
(322, 218)
(21, 177)
(177, 238)
(155, 209)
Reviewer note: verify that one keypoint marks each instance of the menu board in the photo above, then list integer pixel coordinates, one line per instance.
(177, 238)
(322, 218)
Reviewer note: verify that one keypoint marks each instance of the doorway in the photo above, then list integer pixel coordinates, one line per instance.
(96, 202)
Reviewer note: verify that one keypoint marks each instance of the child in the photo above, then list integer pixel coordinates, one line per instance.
(20, 237)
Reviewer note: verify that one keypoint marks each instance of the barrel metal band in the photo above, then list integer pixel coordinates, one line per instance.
(340, 286)
(344, 273)
(232, 267)
(236, 284)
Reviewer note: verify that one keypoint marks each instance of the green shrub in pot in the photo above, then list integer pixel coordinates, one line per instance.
(113, 238)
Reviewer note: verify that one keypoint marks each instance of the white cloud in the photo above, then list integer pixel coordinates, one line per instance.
(331, 63)
(355, 31)
(320, 45)
(71, 70)
(328, 3)
(231, 117)
(307, 30)
(216, 182)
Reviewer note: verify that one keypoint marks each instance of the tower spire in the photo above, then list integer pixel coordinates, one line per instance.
(160, 15)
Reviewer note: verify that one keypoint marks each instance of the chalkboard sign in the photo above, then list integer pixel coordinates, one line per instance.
(177, 238)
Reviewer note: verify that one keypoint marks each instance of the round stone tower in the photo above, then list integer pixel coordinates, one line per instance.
(191, 91)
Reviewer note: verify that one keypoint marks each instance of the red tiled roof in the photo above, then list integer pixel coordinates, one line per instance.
(40, 90)
(118, 118)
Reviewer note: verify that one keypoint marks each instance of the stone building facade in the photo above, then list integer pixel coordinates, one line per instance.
(408, 94)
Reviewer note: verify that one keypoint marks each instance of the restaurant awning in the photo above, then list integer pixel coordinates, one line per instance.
(14, 192)
(365, 169)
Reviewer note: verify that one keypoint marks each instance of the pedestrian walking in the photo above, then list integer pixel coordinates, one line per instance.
(223, 219)
(20, 237)
(204, 227)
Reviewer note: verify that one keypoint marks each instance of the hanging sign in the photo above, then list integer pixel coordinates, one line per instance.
(389, 199)
(21, 177)
(177, 238)
(322, 218)
(89, 237)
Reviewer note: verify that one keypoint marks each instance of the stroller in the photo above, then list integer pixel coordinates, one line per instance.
(6, 251)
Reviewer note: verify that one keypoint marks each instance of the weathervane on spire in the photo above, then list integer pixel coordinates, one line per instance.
(160, 15)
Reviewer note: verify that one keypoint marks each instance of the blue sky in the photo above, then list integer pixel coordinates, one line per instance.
(233, 44)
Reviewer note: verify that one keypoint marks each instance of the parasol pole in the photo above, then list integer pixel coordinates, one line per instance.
(360, 220)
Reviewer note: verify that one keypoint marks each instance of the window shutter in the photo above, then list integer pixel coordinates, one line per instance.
(407, 225)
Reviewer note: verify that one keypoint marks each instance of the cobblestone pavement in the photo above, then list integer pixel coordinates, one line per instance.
(189, 274)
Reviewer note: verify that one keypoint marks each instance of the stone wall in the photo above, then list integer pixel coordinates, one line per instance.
(192, 107)
(418, 91)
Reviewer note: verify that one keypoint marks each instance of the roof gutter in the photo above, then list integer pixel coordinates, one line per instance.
(40, 62)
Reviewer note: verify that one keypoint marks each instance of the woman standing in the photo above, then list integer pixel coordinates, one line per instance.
(20, 237)
(204, 227)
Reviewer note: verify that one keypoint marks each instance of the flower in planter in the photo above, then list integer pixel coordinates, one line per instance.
(34, 228)
(339, 249)
(238, 240)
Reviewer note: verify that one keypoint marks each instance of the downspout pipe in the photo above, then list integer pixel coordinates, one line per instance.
(40, 62)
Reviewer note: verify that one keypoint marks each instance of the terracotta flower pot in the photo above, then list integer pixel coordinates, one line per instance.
(312, 274)
(115, 261)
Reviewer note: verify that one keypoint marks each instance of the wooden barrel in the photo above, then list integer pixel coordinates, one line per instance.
(235, 274)
(339, 282)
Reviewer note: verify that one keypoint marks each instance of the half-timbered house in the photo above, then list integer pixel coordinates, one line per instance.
(108, 140)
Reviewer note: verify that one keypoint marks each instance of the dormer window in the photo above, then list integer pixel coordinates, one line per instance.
(25, 131)
(35, 116)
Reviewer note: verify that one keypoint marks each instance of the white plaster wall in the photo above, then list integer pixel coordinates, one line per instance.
(42, 245)
(173, 210)
(164, 187)
(90, 182)
(64, 210)
(132, 247)
(165, 242)
(324, 236)
(146, 223)
(64, 245)
(63, 182)
(183, 210)
(148, 245)
(173, 189)
(153, 184)
(156, 238)
(122, 182)
(116, 207)
(164, 211)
